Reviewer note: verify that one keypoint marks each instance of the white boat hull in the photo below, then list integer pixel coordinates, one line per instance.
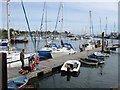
(13, 58)
(14, 61)
(59, 52)
(76, 66)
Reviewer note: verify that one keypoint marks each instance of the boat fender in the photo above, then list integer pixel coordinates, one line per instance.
(37, 61)
(11, 49)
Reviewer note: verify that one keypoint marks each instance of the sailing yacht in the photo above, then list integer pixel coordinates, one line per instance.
(13, 57)
(90, 42)
(3, 42)
(52, 47)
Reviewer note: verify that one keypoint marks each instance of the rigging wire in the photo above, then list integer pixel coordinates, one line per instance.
(28, 25)
(57, 20)
(41, 25)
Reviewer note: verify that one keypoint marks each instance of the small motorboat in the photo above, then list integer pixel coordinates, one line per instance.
(117, 45)
(88, 61)
(88, 46)
(71, 66)
(116, 51)
(101, 55)
(18, 83)
(92, 61)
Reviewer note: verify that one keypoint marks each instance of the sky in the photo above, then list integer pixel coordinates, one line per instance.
(76, 18)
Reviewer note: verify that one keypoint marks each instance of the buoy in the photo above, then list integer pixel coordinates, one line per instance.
(11, 49)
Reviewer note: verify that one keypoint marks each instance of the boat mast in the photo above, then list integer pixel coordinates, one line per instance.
(114, 26)
(90, 22)
(106, 26)
(41, 26)
(8, 20)
(57, 21)
(46, 22)
(25, 14)
(92, 26)
(61, 19)
(100, 26)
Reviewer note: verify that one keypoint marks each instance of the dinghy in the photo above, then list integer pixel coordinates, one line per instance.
(91, 61)
(18, 83)
(88, 61)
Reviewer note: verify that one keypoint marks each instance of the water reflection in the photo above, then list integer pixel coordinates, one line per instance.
(92, 66)
(101, 68)
(25, 46)
(70, 74)
(99, 76)
(68, 77)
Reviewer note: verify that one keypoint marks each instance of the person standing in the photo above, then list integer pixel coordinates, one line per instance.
(81, 48)
(22, 58)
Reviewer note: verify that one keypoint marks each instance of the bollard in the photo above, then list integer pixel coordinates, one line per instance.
(3, 67)
(102, 42)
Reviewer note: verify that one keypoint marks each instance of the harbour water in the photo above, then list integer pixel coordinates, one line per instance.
(30, 48)
(101, 76)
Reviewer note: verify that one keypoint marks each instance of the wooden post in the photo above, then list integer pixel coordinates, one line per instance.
(35, 40)
(102, 41)
(3, 70)
(0, 71)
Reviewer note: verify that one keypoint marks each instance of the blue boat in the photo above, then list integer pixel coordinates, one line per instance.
(97, 55)
(67, 45)
(18, 83)
(100, 61)
(53, 45)
(44, 55)
(3, 44)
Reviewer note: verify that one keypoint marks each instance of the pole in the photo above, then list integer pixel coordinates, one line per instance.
(102, 41)
(35, 39)
(3, 70)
